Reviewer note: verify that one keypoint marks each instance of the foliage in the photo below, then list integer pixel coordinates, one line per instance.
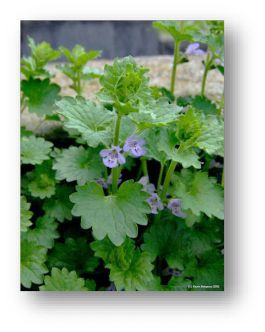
(63, 281)
(75, 69)
(113, 215)
(34, 150)
(128, 196)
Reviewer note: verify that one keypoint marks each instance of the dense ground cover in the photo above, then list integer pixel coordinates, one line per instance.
(129, 195)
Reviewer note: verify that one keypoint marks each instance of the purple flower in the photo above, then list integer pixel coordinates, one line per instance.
(155, 203)
(134, 145)
(148, 187)
(112, 157)
(194, 49)
(218, 62)
(175, 206)
(171, 272)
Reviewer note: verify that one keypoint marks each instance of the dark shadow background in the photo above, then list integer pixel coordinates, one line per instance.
(114, 38)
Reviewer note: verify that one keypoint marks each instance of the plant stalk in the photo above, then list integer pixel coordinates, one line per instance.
(162, 166)
(168, 177)
(207, 66)
(116, 171)
(144, 166)
(174, 69)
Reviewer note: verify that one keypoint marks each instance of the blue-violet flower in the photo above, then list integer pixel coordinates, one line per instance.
(134, 145)
(155, 203)
(147, 186)
(194, 49)
(112, 157)
(175, 206)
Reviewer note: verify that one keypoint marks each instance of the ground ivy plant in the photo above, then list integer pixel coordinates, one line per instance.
(128, 195)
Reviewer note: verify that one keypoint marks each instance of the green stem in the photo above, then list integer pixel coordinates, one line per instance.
(174, 69)
(169, 174)
(78, 83)
(223, 178)
(116, 170)
(144, 166)
(207, 66)
(204, 81)
(160, 176)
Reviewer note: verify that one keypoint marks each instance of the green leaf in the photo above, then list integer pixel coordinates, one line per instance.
(207, 271)
(34, 150)
(199, 193)
(151, 136)
(178, 284)
(41, 95)
(25, 214)
(212, 137)
(114, 215)
(41, 182)
(205, 105)
(73, 254)
(193, 130)
(33, 257)
(130, 269)
(165, 239)
(63, 281)
(170, 239)
(92, 121)
(78, 164)
(41, 54)
(179, 30)
(124, 84)
(167, 143)
(59, 206)
(156, 114)
(44, 233)
(79, 56)
(90, 284)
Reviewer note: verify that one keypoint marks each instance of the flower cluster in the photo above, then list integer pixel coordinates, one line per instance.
(153, 200)
(114, 156)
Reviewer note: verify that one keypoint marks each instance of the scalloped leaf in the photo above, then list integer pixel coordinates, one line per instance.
(44, 233)
(41, 181)
(41, 95)
(167, 144)
(34, 150)
(199, 193)
(114, 215)
(130, 269)
(92, 121)
(33, 257)
(125, 84)
(59, 206)
(78, 164)
(63, 281)
(73, 254)
(156, 114)
(25, 214)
